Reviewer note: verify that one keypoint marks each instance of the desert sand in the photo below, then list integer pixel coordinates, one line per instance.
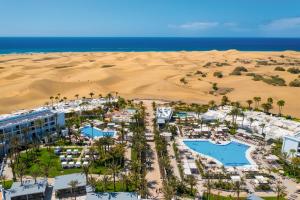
(28, 80)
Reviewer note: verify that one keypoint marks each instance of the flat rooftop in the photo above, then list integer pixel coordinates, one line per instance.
(22, 117)
(28, 187)
(112, 196)
(164, 112)
(62, 182)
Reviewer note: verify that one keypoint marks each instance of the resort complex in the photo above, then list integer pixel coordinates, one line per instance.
(113, 148)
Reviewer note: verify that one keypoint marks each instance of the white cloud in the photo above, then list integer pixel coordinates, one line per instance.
(196, 25)
(282, 24)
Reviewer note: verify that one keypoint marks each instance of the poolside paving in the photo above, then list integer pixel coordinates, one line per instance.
(173, 160)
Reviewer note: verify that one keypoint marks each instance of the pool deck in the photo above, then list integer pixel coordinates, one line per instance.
(97, 137)
(248, 152)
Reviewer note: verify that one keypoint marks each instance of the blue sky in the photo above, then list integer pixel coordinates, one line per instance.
(183, 18)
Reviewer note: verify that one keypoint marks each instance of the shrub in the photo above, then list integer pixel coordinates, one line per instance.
(218, 74)
(198, 72)
(279, 69)
(215, 86)
(182, 80)
(237, 71)
(263, 187)
(275, 80)
(293, 70)
(207, 64)
(241, 69)
(107, 66)
(295, 83)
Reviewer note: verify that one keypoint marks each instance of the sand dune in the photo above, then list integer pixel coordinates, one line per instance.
(27, 80)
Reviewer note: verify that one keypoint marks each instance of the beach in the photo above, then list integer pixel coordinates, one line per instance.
(28, 80)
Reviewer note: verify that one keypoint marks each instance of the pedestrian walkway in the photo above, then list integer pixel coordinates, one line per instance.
(173, 160)
(153, 176)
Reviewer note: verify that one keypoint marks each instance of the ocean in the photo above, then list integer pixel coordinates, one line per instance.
(141, 44)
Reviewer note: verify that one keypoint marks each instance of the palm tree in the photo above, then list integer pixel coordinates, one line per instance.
(122, 131)
(295, 163)
(86, 171)
(208, 183)
(270, 100)
(191, 180)
(92, 125)
(251, 121)
(39, 124)
(35, 172)
(65, 99)
(91, 94)
(237, 185)
(93, 183)
(114, 167)
(212, 104)
(266, 107)
(51, 98)
(262, 129)
(76, 96)
(105, 181)
(125, 181)
(73, 184)
(249, 102)
(280, 105)
(225, 100)
(256, 100)
(280, 190)
(100, 96)
(292, 152)
(56, 99)
(21, 171)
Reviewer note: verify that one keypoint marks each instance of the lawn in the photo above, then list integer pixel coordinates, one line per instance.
(213, 197)
(7, 184)
(110, 187)
(35, 160)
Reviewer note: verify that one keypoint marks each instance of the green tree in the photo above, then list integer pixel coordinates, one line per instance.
(91, 94)
(73, 184)
(225, 100)
(35, 172)
(249, 102)
(192, 181)
(280, 190)
(256, 100)
(266, 107)
(280, 105)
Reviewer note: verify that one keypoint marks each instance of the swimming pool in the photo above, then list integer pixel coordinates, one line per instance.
(232, 154)
(95, 132)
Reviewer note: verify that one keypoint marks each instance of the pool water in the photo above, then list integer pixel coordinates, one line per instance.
(95, 132)
(232, 154)
(181, 114)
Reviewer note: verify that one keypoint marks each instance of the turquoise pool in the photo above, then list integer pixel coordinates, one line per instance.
(95, 132)
(232, 154)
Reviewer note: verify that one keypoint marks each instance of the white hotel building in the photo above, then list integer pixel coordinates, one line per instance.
(37, 123)
(291, 142)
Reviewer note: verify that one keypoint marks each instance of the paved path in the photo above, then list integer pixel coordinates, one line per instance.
(153, 176)
(173, 160)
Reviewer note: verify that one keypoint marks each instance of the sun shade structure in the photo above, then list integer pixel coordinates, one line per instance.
(112, 196)
(29, 190)
(63, 188)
